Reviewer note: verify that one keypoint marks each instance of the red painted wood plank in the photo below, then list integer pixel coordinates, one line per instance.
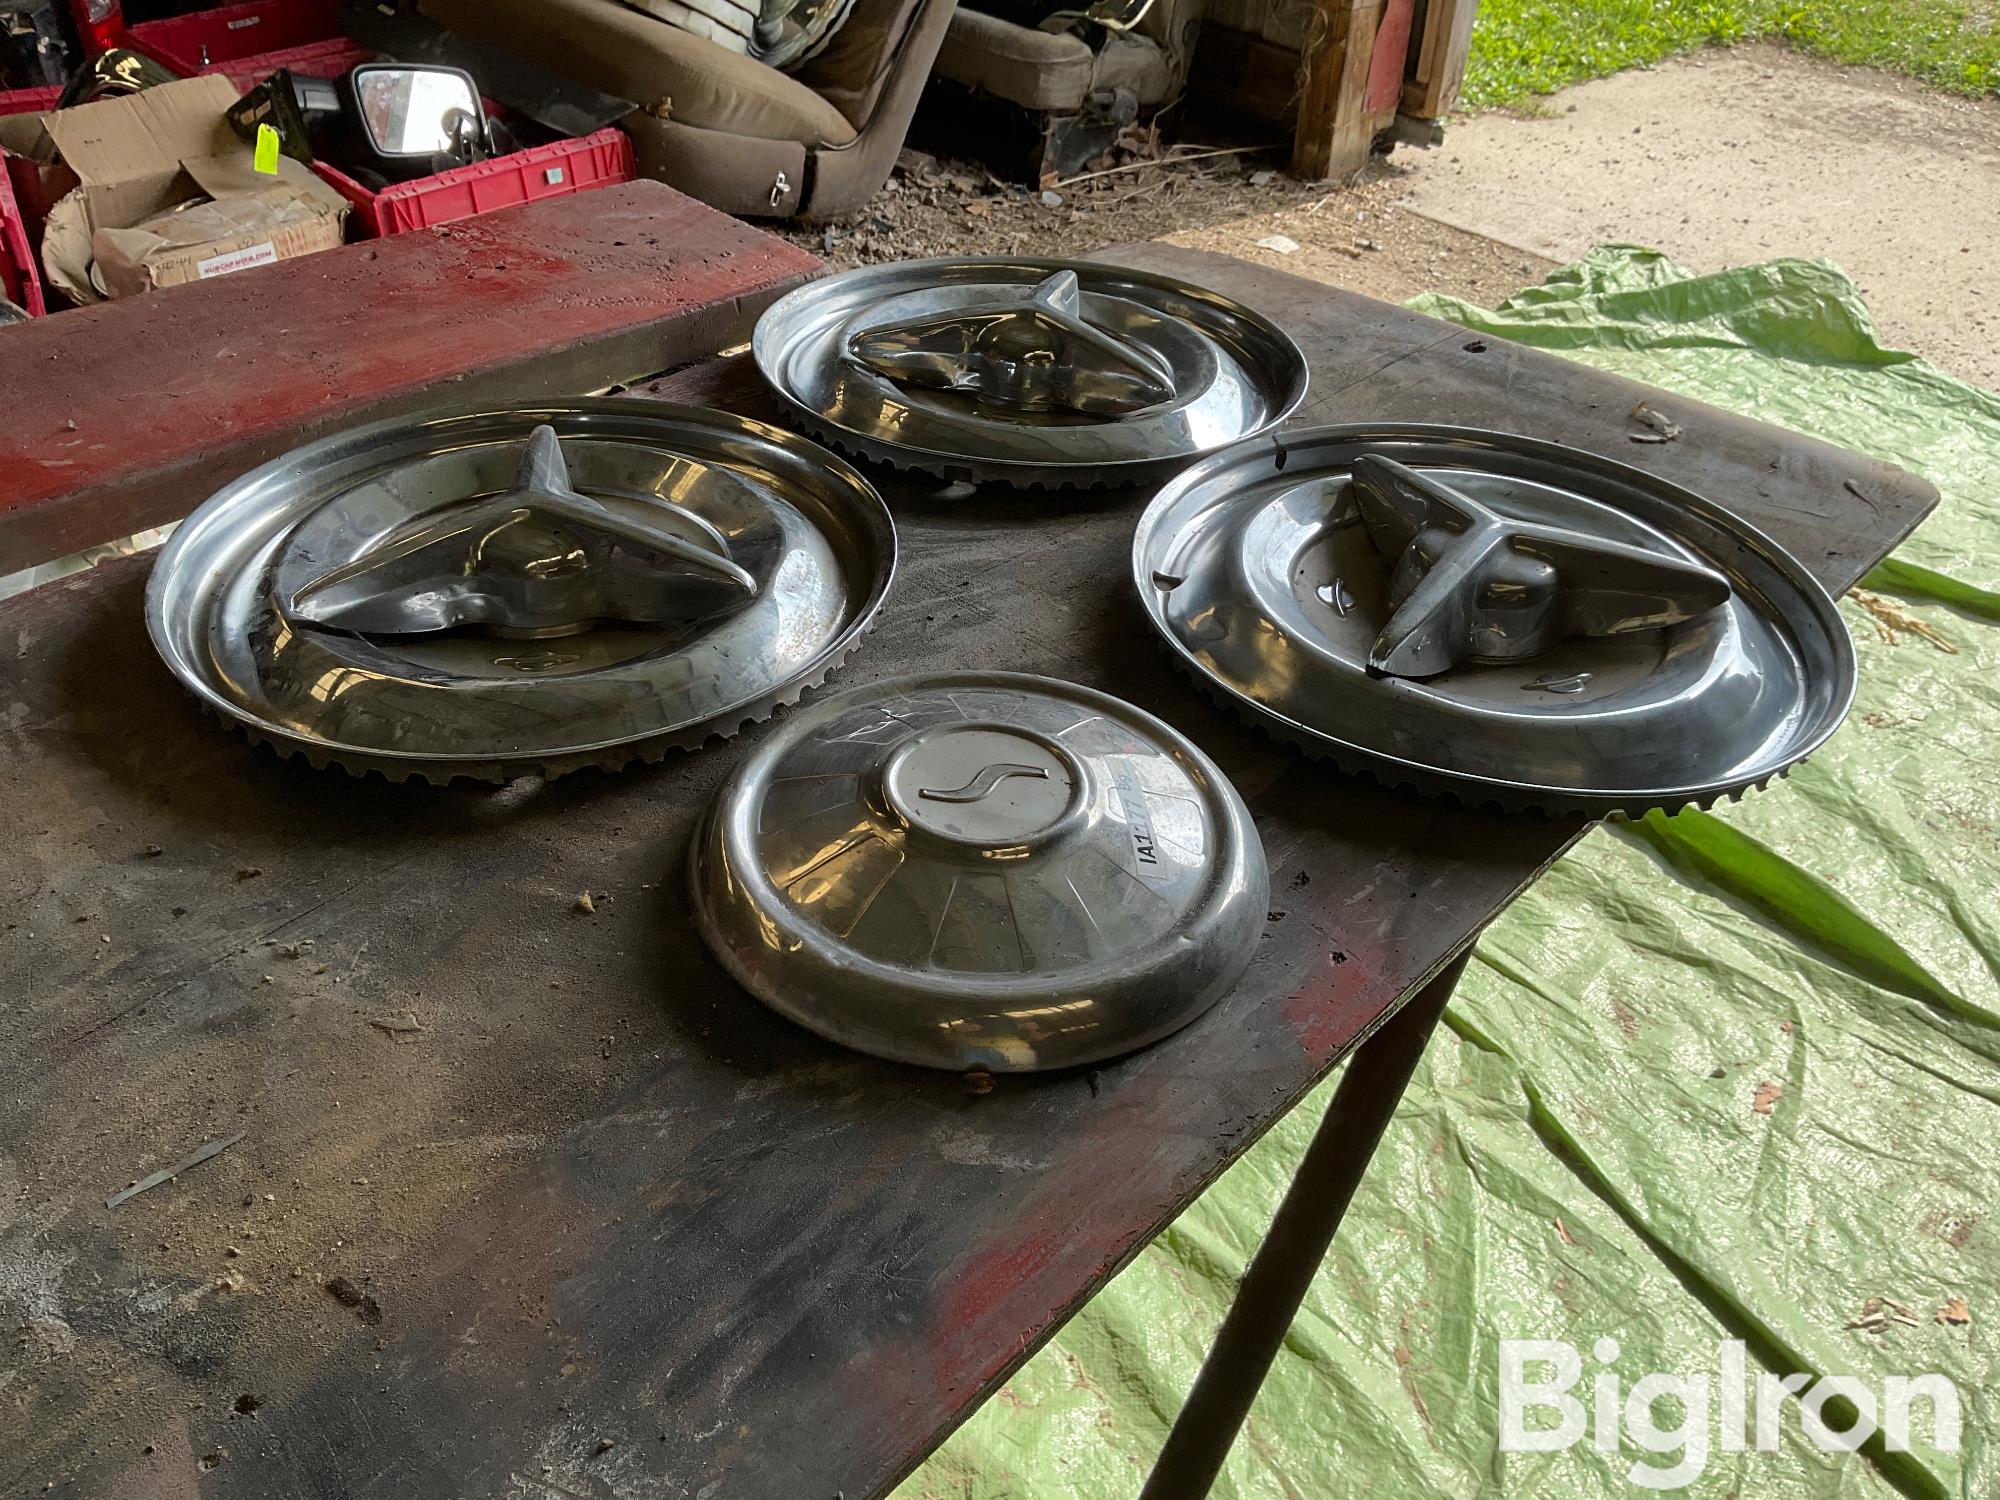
(128, 414)
(1390, 60)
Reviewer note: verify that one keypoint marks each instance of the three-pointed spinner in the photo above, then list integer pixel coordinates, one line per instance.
(1469, 583)
(538, 560)
(1025, 347)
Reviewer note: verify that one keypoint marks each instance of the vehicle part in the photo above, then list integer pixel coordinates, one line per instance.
(1031, 372)
(1500, 619)
(381, 121)
(789, 33)
(557, 104)
(299, 109)
(782, 34)
(113, 74)
(723, 129)
(1470, 582)
(980, 869)
(407, 117)
(495, 593)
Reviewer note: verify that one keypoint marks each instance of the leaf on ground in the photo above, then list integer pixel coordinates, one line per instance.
(402, 1027)
(1658, 426)
(1877, 1313)
(1767, 1095)
(1891, 620)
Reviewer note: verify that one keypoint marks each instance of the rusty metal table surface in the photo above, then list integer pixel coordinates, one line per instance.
(606, 1226)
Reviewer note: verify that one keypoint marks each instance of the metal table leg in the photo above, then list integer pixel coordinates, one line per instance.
(1290, 1256)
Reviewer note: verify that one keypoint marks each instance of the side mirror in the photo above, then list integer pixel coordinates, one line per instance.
(300, 109)
(406, 114)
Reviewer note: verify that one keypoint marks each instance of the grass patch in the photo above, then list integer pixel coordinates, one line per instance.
(1522, 48)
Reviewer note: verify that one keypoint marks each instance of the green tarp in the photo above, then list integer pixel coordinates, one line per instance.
(1717, 1079)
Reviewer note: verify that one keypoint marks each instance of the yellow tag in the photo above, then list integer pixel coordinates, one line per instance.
(267, 151)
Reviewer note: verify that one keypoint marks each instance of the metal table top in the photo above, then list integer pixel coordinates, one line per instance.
(572, 1187)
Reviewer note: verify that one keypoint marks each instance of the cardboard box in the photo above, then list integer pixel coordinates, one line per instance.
(121, 162)
(252, 220)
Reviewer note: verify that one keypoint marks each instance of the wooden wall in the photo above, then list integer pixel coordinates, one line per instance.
(1335, 73)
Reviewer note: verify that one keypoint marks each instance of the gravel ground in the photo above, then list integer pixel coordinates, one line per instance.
(1356, 236)
(1721, 158)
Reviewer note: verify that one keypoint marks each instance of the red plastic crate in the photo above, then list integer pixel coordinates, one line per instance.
(193, 43)
(29, 101)
(551, 171)
(20, 275)
(331, 58)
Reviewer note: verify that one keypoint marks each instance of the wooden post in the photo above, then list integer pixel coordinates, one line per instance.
(1438, 49)
(1335, 129)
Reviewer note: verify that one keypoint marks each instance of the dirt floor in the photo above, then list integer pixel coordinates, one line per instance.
(1358, 236)
(1720, 159)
